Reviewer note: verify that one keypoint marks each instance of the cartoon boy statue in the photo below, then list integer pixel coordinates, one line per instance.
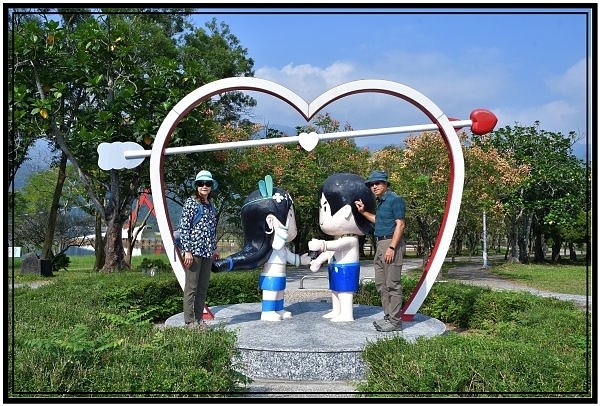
(269, 222)
(339, 217)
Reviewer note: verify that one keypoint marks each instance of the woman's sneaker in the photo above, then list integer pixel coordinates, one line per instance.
(201, 325)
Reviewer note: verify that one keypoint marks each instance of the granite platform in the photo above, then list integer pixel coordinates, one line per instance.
(307, 346)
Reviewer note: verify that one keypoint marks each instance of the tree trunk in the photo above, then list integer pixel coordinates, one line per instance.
(424, 234)
(455, 250)
(115, 253)
(49, 236)
(426, 255)
(556, 251)
(572, 253)
(99, 244)
(117, 211)
(524, 240)
(512, 252)
(458, 244)
(539, 253)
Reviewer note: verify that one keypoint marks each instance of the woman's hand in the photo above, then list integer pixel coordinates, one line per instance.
(188, 259)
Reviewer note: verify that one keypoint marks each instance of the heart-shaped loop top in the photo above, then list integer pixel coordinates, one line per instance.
(307, 111)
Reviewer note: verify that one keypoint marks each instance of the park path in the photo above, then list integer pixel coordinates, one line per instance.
(474, 274)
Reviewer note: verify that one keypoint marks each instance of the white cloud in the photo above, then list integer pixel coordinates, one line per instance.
(563, 110)
(572, 83)
(307, 80)
(433, 74)
(555, 116)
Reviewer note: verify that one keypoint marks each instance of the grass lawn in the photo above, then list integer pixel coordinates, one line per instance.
(569, 279)
(561, 278)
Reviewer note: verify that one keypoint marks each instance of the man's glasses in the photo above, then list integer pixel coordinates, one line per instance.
(208, 183)
(376, 183)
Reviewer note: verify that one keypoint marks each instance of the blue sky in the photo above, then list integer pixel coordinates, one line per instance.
(523, 64)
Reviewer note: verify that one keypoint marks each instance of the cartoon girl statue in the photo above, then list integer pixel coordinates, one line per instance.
(339, 217)
(269, 222)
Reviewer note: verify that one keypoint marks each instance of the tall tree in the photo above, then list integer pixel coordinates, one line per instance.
(23, 131)
(35, 205)
(552, 194)
(421, 172)
(108, 77)
(489, 178)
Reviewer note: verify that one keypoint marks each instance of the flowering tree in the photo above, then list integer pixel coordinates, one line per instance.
(420, 173)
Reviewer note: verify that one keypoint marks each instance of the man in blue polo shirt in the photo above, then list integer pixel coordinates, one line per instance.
(391, 247)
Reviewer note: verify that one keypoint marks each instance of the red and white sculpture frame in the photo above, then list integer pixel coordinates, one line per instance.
(482, 121)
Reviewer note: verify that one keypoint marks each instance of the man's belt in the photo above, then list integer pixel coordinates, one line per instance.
(384, 237)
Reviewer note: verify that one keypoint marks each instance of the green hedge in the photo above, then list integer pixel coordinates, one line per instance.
(515, 344)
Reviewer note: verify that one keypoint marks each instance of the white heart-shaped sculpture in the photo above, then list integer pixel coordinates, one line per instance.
(308, 110)
(308, 141)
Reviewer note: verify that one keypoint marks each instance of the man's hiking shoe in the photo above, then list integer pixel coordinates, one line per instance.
(380, 322)
(388, 326)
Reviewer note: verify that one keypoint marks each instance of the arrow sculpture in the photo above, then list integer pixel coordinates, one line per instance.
(118, 155)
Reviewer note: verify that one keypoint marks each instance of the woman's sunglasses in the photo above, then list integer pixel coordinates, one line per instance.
(208, 183)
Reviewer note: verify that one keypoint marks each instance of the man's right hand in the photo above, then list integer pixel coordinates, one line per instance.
(359, 205)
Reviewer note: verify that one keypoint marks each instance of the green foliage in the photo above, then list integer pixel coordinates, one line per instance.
(451, 302)
(234, 287)
(134, 316)
(60, 261)
(472, 365)
(517, 344)
(367, 294)
(159, 297)
(491, 308)
(76, 342)
(555, 191)
(63, 361)
(155, 264)
(94, 333)
(84, 80)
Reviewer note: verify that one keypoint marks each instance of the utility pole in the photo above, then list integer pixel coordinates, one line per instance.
(485, 258)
